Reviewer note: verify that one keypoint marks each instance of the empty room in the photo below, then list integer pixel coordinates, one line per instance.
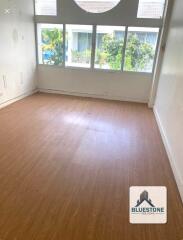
(91, 120)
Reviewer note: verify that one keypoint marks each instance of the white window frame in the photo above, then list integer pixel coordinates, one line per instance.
(93, 49)
(38, 45)
(76, 67)
(155, 54)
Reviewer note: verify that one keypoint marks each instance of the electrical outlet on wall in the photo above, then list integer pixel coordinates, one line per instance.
(5, 81)
(21, 78)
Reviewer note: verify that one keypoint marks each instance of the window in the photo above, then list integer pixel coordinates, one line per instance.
(109, 47)
(50, 44)
(114, 49)
(151, 8)
(78, 45)
(46, 7)
(140, 49)
(97, 6)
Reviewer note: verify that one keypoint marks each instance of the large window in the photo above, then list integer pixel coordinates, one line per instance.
(50, 44)
(151, 8)
(109, 47)
(78, 45)
(97, 6)
(140, 49)
(46, 7)
(86, 40)
(114, 47)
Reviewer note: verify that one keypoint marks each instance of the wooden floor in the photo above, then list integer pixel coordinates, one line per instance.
(66, 165)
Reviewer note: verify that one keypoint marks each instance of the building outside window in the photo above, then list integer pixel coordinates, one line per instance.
(78, 45)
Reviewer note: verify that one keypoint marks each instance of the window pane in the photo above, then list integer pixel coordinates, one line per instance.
(109, 46)
(151, 8)
(78, 45)
(50, 44)
(46, 7)
(140, 49)
(97, 6)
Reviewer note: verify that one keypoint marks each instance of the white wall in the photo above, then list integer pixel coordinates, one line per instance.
(17, 49)
(95, 83)
(169, 101)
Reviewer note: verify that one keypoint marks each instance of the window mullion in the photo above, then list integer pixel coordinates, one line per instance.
(58, 3)
(93, 46)
(124, 49)
(64, 44)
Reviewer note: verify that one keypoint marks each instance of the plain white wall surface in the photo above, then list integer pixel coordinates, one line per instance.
(169, 102)
(95, 83)
(17, 49)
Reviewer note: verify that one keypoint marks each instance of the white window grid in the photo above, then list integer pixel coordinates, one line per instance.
(92, 65)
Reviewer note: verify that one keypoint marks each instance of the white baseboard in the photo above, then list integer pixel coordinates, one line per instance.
(106, 97)
(10, 101)
(170, 154)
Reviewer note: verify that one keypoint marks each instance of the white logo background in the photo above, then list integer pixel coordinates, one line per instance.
(158, 197)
